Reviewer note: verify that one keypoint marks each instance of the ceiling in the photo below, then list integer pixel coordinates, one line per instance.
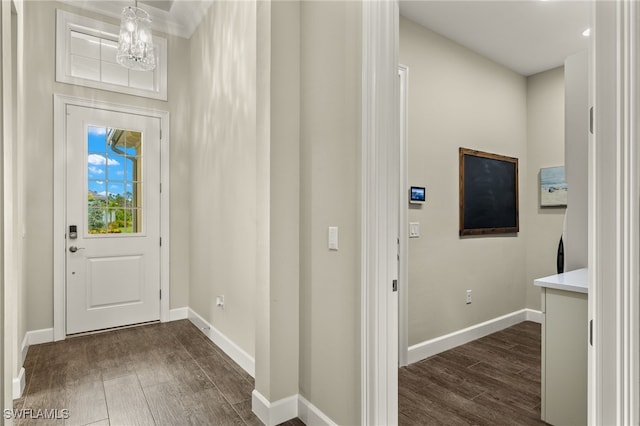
(527, 36)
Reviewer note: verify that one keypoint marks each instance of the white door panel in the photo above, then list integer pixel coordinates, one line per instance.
(113, 200)
(114, 281)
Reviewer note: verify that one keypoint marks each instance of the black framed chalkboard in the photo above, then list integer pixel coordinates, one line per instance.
(488, 193)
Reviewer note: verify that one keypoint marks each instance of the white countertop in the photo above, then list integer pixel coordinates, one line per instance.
(576, 281)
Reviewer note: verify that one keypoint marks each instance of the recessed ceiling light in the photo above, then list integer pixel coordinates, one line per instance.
(587, 32)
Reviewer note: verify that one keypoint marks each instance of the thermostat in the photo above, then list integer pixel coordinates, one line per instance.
(417, 194)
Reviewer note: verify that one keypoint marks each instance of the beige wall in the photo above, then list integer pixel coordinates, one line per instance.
(278, 175)
(545, 148)
(576, 151)
(458, 98)
(38, 144)
(222, 169)
(330, 70)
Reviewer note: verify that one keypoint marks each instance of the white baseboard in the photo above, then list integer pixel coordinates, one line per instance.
(286, 409)
(534, 316)
(311, 415)
(272, 414)
(235, 352)
(18, 384)
(178, 314)
(35, 337)
(260, 407)
(24, 349)
(440, 344)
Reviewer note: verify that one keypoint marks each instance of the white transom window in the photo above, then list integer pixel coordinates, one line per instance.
(86, 56)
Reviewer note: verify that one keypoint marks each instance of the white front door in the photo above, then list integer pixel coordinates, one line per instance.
(112, 219)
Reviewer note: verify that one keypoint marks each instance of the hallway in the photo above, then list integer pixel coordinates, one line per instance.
(158, 374)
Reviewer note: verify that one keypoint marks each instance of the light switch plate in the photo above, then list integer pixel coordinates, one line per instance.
(333, 238)
(414, 230)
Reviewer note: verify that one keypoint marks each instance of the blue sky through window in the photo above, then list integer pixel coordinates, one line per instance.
(108, 171)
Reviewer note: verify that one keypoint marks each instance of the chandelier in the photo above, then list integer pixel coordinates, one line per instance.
(135, 44)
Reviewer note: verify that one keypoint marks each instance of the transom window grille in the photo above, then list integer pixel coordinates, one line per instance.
(86, 56)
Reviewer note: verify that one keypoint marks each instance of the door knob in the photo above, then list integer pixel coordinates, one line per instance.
(74, 249)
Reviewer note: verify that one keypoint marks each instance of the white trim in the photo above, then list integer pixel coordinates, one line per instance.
(311, 415)
(286, 409)
(59, 197)
(178, 314)
(59, 211)
(21, 227)
(235, 352)
(379, 228)
(66, 22)
(260, 406)
(36, 337)
(533, 315)
(592, 401)
(165, 214)
(274, 413)
(614, 300)
(24, 348)
(10, 177)
(440, 344)
(403, 267)
(19, 384)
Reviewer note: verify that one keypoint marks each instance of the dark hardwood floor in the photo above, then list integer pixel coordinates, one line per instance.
(171, 374)
(158, 374)
(494, 380)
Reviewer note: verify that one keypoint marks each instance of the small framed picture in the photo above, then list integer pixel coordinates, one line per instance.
(553, 187)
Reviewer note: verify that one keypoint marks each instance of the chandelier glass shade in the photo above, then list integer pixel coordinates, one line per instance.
(135, 44)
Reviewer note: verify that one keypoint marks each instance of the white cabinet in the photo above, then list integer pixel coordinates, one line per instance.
(564, 348)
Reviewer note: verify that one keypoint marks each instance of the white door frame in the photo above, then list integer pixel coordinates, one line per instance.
(403, 273)
(11, 16)
(614, 216)
(59, 202)
(380, 194)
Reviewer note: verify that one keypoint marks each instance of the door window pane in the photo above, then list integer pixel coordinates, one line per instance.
(115, 166)
(114, 181)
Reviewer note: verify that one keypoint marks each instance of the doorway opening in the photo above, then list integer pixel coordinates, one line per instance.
(111, 239)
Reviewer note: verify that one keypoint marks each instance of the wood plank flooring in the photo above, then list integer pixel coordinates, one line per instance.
(171, 374)
(494, 380)
(158, 374)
